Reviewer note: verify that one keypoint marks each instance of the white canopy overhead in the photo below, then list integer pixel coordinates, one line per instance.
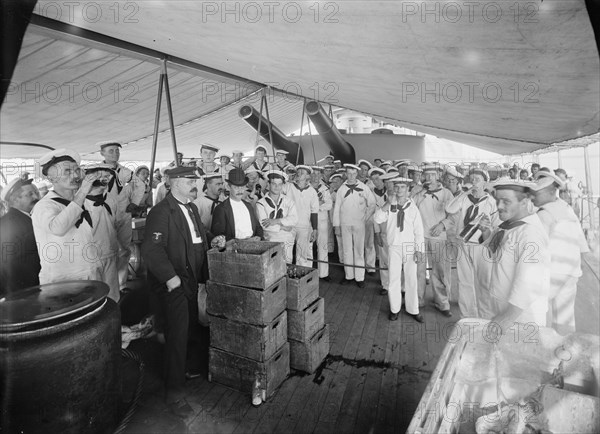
(509, 77)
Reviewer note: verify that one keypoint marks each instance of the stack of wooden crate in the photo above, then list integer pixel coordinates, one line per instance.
(307, 332)
(248, 323)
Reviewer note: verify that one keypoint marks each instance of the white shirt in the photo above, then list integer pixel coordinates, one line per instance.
(432, 206)
(521, 270)
(266, 210)
(459, 206)
(104, 230)
(325, 201)
(241, 217)
(206, 206)
(132, 190)
(567, 240)
(307, 203)
(66, 252)
(353, 207)
(412, 232)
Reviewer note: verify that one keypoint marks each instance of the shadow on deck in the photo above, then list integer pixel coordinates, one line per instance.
(371, 382)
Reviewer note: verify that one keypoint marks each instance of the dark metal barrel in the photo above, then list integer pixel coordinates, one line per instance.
(280, 141)
(60, 359)
(341, 149)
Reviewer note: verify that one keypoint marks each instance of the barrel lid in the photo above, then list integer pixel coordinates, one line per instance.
(39, 304)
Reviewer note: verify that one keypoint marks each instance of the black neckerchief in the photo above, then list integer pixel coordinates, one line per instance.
(380, 193)
(432, 193)
(352, 188)
(301, 189)
(85, 215)
(473, 210)
(100, 200)
(499, 236)
(277, 212)
(400, 216)
(115, 181)
(214, 204)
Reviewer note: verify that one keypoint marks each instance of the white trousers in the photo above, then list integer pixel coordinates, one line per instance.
(437, 259)
(473, 278)
(561, 303)
(370, 255)
(107, 272)
(399, 260)
(303, 246)
(353, 238)
(384, 262)
(322, 246)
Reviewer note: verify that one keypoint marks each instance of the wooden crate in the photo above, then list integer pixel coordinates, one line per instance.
(303, 291)
(248, 340)
(247, 305)
(304, 324)
(239, 372)
(307, 356)
(253, 264)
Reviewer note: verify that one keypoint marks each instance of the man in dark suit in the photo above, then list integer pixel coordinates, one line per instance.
(174, 249)
(20, 263)
(236, 218)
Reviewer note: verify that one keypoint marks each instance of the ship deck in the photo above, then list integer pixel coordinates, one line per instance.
(371, 382)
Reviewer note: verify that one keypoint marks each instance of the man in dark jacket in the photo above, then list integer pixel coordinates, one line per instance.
(174, 249)
(20, 263)
(236, 218)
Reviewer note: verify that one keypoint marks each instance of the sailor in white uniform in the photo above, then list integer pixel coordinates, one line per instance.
(208, 200)
(336, 182)
(404, 233)
(277, 214)
(325, 205)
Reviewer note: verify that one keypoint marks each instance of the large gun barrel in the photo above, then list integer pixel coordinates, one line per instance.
(341, 149)
(280, 141)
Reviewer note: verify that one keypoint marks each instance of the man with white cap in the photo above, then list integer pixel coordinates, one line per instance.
(237, 160)
(404, 234)
(363, 173)
(379, 191)
(281, 162)
(473, 270)
(328, 170)
(256, 185)
(102, 209)
(61, 224)
(519, 253)
(20, 263)
(208, 200)
(260, 164)
(127, 191)
(354, 207)
(431, 201)
(277, 214)
(336, 182)
(567, 243)
(338, 164)
(307, 206)
(325, 205)
(208, 165)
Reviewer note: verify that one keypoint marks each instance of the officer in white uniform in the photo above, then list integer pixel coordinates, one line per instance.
(277, 214)
(354, 207)
(62, 227)
(404, 233)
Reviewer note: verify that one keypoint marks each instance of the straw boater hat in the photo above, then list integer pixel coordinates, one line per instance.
(13, 186)
(277, 174)
(376, 170)
(545, 179)
(281, 152)
(513, 184)
(385, 163)
(209, 147)
(262, 148)
(351, 166)
(401, 180)
(106, 143)
(450, 170)
(389, 176)
(477, 171)
(303, 166)
(364, 162)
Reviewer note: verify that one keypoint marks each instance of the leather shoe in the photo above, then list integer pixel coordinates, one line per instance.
(191, 375)
(446, 313)
(326, 279)
(181, 408)
(393, 316)
(371, 273)
(383, 292)
(360, 284)
(417, 317)
(345, 281)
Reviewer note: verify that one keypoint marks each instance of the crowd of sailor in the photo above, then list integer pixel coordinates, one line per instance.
(505, 230)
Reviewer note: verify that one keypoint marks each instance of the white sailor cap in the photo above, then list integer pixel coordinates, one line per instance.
(274, 174)
(94, 167)
(106, 143)
(405, 162)
(385, 163)
(262, 148)
(544, 179)
(513, 184)
(335, 175)
(431, 167)
(305, 167)
(389, 176)
(450, 170)
(329, 166)
(401, 180)
(281, 152)
(317, 168)
(341, 171)
(376, 170)
(391, 170)
(351, 166)
(364, 162)
(209, 147)
(49, 159)
(337, 161)
(13, 186)
(478, 171)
